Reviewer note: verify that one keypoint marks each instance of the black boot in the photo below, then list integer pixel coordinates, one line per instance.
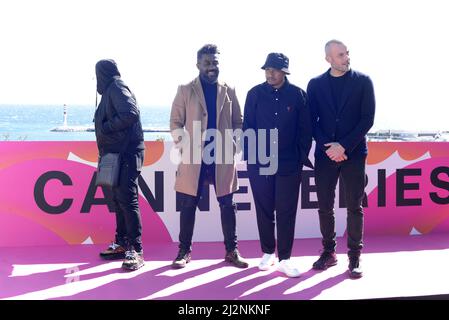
(234, 258)
(228, 225)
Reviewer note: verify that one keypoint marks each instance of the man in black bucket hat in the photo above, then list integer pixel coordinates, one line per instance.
(280, 107)
(277, 61)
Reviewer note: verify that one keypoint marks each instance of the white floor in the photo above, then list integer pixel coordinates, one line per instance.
(420, 268)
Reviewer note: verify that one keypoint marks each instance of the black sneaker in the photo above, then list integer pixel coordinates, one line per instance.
(354, 268)
(133, 260)
(236, 259)
(113, 252)
(181, 259)
(327, 259)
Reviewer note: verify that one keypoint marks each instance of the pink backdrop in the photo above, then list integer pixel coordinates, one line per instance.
(424, 185)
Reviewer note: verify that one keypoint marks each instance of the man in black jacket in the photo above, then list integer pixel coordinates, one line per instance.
(279, 107)
(118, 130)
(342, 105)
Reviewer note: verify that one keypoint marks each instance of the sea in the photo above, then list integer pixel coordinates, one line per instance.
(46, 123)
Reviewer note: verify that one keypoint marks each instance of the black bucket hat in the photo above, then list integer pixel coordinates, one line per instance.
(277, 61)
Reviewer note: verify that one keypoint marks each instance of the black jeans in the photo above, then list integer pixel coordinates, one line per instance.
(352, 174)
(278, 193)
(188, 208)
(125, 199)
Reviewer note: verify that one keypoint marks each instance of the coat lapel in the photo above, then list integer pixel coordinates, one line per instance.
(221, 95)
(200, 94)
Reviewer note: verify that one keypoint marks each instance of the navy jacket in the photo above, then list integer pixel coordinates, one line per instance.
(354, 118)
(285, 109)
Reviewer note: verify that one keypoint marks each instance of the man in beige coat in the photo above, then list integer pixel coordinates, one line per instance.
(205, 122)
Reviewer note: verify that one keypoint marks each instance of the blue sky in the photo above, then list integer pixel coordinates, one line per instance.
(49, 48)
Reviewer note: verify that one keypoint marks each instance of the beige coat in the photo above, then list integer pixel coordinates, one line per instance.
(189, 106)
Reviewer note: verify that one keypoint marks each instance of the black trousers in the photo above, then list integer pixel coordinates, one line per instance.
(275, 193)
(125, 199)
(352, 174)
(189, 203)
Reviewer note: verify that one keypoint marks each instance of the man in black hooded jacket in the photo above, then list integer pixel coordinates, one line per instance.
(118, 129)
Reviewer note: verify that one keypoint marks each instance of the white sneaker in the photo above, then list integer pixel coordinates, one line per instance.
(286, 267)
(267, 261)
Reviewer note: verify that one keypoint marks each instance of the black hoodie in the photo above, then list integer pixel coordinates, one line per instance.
(106, 72)
(117, 115)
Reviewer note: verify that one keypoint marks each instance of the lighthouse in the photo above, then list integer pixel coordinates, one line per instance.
(64, 121)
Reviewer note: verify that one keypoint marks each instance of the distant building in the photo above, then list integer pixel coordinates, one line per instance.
(403, 135)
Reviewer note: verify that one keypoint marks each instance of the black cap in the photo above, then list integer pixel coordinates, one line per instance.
(277, 61)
